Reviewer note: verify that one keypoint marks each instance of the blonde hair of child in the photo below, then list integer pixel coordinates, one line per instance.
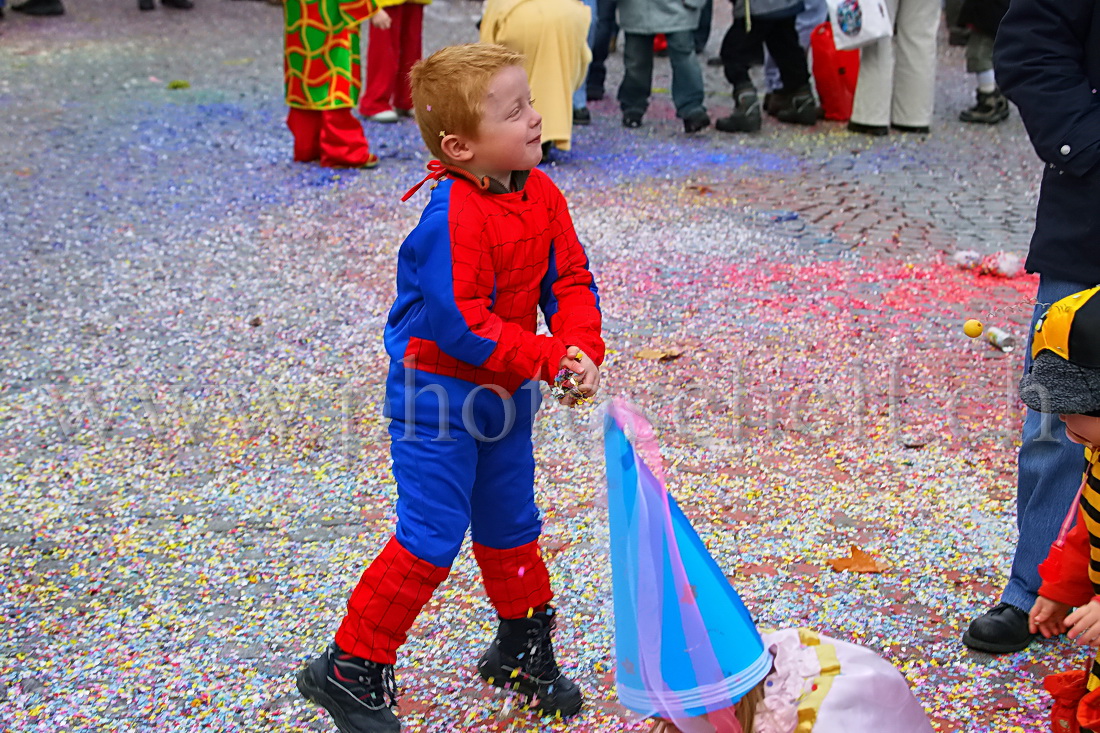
(449, 87)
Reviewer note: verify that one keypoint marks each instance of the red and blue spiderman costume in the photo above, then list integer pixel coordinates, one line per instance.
(462, 392)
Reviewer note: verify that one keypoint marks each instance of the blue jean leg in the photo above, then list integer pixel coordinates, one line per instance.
(1050, 467)
(637, 73)
(580, 96)
(687, 76)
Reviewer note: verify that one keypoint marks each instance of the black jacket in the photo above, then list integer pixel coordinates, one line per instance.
(1047, 60)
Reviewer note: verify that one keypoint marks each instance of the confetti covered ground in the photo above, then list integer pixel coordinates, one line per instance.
(194, 466)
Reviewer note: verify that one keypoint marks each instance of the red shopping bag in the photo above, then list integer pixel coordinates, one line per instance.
(835, 73)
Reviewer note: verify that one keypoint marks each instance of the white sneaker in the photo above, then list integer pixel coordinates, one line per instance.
(385, 116)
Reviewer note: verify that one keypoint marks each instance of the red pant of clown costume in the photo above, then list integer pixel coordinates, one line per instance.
(474, 469)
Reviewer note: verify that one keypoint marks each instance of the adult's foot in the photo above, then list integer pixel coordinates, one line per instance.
(873, 130)
(1000, 630)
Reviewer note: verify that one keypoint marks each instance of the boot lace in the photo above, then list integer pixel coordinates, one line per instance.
(373, 683)
(540, 660)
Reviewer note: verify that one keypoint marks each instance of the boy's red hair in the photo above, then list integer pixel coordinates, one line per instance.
(449, 86)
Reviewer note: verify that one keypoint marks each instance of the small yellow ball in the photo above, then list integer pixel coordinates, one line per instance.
(973, 328)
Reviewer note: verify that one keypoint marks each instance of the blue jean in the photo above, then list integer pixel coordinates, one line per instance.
(1049, 473)
(702, 33)
(687, 77)
(814, 13)
(580, 99)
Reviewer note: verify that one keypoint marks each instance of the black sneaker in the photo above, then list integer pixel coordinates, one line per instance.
(1000, 630)
(521, 659)
(914, 129)
(581, 116)
(357, 693)
(746, 116)
(696, 122)
(631, 121)
(992, 107)
(40, 7)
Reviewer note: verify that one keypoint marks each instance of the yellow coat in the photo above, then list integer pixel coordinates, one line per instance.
(553, 35)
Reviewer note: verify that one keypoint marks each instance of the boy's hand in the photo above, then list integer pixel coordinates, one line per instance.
(1084, 624)
(1047, 617)
(588, 375)
(381, 20)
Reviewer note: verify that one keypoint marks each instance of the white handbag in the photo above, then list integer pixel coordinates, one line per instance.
(859, 22)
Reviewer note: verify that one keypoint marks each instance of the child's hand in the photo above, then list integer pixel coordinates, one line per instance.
(588, 382)
(381, 20)
(1047, 617)
(1084, 624)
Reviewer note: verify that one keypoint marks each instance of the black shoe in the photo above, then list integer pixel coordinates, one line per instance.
(581, 116)
(915, 129)
(178, 4)
(801, 108)
(874, 130)
(1000, 630)
(146, 5)
(632, 120)
(746, 116)
(521, 658)
(696, 122)
(40, 7)
(992, 107)
(357, 694)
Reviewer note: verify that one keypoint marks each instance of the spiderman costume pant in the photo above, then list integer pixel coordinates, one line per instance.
(463, 458)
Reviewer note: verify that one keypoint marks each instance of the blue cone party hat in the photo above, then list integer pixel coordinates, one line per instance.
(686, 646)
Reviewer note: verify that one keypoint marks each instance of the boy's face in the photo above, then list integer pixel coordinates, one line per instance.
(509, 137)
(1082, 429)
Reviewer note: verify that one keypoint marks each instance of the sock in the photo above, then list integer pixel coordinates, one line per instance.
(987, 82)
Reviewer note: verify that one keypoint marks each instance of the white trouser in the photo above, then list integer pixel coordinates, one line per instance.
(897, 76)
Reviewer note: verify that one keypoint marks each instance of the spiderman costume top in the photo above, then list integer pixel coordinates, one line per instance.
(472, 273)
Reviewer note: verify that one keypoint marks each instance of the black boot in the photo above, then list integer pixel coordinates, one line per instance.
(1000, 630)
(40, 7)
(800, 110)
(178, 4)
(358, 694)
(992, 107)
(521, 658)
(746, 116)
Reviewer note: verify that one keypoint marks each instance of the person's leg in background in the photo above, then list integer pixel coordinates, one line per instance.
(914, 92)
(1050, 468)
(581, 115)
(637, 77)
(992, 105)
(741, 49)
(606, 29)
(687, 81)
(702, 31)
(799, 106)
(383, 56)
(411, 49)
(874, 90)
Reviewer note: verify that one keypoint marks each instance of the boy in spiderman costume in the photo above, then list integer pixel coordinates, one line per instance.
(495, 243)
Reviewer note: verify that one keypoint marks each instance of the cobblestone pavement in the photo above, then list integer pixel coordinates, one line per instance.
(194, 464)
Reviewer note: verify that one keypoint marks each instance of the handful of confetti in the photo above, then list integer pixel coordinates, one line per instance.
(566, 384)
